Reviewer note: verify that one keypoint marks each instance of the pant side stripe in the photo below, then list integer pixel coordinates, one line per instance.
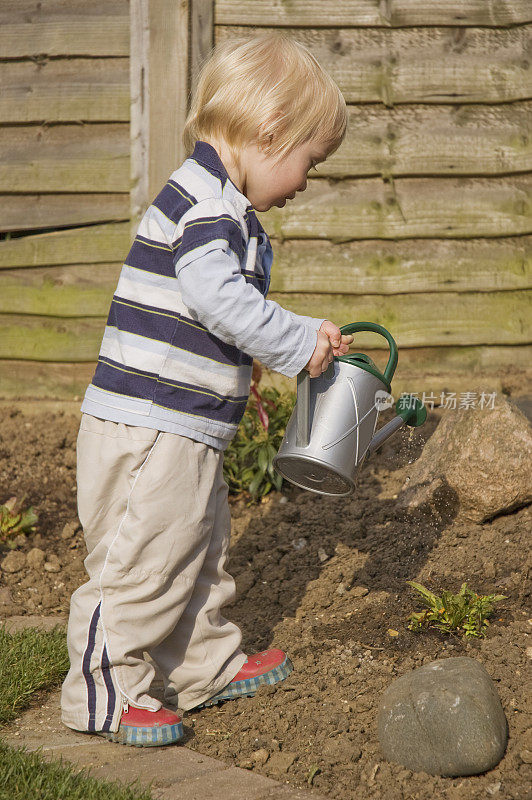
(111, 694)
(86, 668)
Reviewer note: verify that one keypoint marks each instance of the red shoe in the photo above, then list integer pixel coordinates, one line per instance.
(142, 728)
(267, 667)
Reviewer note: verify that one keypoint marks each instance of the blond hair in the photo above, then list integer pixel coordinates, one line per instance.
(268, 90)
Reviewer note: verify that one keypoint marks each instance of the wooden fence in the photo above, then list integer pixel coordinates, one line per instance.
(422, 221)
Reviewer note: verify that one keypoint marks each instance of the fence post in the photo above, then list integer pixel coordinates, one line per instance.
(159, 78)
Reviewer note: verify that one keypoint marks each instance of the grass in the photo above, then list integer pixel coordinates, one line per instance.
(29, 660)
(27, 775)
(32, 660)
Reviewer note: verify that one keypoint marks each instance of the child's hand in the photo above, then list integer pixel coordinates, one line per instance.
(340, 342)
(321, 357)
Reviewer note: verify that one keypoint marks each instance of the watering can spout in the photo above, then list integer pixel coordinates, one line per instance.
(410, 411)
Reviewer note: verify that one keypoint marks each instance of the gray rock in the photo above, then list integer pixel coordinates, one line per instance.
(444, 718)
(476, 463)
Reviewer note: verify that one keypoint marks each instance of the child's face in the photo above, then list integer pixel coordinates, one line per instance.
(268, 181)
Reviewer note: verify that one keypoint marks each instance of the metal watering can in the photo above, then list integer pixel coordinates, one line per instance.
(332, 427)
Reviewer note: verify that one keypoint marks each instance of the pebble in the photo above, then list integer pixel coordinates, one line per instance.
(281, 761)
(299, 544)
(35, 557)
(260, 756)
(359, 591)
(526, 756)
(51, 566)
(14, 562)
(493, 788)
(322, 555)
(69, 530)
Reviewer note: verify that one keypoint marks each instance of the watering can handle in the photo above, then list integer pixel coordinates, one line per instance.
(372, 327)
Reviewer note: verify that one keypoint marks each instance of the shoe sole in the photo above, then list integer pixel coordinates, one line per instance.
(135, 736)
(248, 687)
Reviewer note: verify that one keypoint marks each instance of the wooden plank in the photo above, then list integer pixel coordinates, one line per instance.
(363, 13)
(420, 65)
(64, 90)
(414, 320)
(65, 158)
(103, 243)
(463, 319)
(384, 267)
(54, 10)
(159, 95)
(30, 211)
(59, 291)
(43, 380)
(406, 208)
(424, 369)
(50, 339)
(66, 36)
(201, 35)
(352, 269)
(434, 140)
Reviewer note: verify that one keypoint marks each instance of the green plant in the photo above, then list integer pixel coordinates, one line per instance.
(248, 462)
(14, 520)
(466, 611)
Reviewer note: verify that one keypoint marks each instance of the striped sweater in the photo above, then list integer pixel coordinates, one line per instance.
(190, 312)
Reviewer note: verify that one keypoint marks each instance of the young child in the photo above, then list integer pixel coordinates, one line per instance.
(188, 316)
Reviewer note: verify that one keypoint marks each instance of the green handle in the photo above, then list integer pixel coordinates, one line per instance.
(372, 327)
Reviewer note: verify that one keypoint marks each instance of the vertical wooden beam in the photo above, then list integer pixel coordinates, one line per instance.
(160, 59)
(201, 36)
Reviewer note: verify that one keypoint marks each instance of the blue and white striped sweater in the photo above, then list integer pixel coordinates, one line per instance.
(190, 312)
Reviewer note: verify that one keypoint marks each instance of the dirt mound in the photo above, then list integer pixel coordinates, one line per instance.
(324, 579)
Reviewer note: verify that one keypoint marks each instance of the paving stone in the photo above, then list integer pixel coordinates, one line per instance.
(231, 783)
(19, 623)
(173, 772)
(289, 793)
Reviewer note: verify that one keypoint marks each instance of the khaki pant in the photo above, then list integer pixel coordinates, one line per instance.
(156, 521)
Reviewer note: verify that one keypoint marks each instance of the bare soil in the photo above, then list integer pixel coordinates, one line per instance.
(325, 580)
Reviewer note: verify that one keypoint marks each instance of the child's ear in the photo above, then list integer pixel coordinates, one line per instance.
(265, 141)
(265, 137)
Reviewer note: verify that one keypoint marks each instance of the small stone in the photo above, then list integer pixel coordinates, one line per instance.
(8, 607)
(392, 633)
(14, 562)
(299, 544)
(529, 652)
(283, 500)
(322, 555)
(340, 589)
(526, 756)
(260, 756)
(444, 718)
(281, 762)
(493, 788)
(35, 557)
(69, 530)
(51, 566)
(359, 591)
(246, 764)
(20, 540)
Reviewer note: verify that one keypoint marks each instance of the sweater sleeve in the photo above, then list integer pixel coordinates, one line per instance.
(207, 263)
